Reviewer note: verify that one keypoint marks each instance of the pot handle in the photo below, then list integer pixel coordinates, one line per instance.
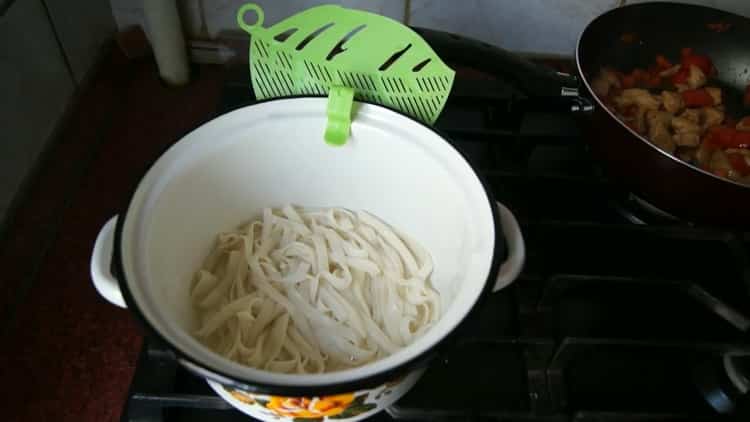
(107, 286)
(511, 268)
(101, 259)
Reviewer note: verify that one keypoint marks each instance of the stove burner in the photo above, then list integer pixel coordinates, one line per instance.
(737, 370)
(724, 382)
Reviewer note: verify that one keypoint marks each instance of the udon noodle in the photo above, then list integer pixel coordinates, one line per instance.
(310, 291)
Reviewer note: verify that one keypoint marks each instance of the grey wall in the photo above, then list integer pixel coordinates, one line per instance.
(36, 83)
(83, 26)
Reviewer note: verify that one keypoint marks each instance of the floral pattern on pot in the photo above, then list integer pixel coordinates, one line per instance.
(345, 407)
(241, 396)
(340, 406)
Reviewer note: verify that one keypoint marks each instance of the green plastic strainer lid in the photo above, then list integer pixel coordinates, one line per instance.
(382, 60)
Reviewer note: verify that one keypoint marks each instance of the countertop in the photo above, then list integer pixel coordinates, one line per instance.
(67, 354)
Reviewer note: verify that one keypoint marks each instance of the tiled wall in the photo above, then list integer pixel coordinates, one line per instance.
(544, 26)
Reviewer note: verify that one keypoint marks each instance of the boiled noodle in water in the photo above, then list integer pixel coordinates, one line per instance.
(313, 290)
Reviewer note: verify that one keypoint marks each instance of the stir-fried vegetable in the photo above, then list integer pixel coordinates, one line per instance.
(674, 107)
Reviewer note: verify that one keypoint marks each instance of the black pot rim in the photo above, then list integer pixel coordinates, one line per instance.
(358, 384)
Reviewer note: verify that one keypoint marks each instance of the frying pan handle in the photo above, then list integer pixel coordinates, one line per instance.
(533, 80)
(547, 90)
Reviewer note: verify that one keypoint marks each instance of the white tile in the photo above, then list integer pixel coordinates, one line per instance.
(531, 25)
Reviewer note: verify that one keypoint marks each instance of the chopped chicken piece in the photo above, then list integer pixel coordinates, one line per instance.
(743, 151)
(658, 118)
(681, 87)
(610, 76)
(639, 120)
(687, 139)
(715, 93)
(672, 101)
(712, 116)
(606, 80)
(744, 124)
(696, 78)
(658, 131)
(692, 115)
(664, 141)
(640, 97)
(687, 154)
(704, 153)
(681, 124)
(600, 86)
(669, 72)
(687, 133)
(719, 163)
(740, 171)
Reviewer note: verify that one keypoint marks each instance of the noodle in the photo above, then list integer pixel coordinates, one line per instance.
(311, 291)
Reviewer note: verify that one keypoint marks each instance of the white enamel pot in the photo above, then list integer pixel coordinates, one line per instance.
(272, 153)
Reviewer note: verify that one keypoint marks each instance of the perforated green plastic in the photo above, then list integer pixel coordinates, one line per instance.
(382, 60)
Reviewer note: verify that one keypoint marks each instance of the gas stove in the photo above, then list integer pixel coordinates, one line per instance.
(621, 314)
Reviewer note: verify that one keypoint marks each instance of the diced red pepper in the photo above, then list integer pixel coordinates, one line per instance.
(708, 142)
(629, 111)
(639, 74)
(719, 135)
(627, 81)
(662, 63)
(681, 76)
(741, 139)
(640, 78)
(654, 81)
(701, 62)
(704, 63)
(738, 163)
(651, 79)
(728, 137)
(697, 98)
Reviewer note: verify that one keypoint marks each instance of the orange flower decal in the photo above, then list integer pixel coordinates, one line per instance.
(243, 397)
(310, 408)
